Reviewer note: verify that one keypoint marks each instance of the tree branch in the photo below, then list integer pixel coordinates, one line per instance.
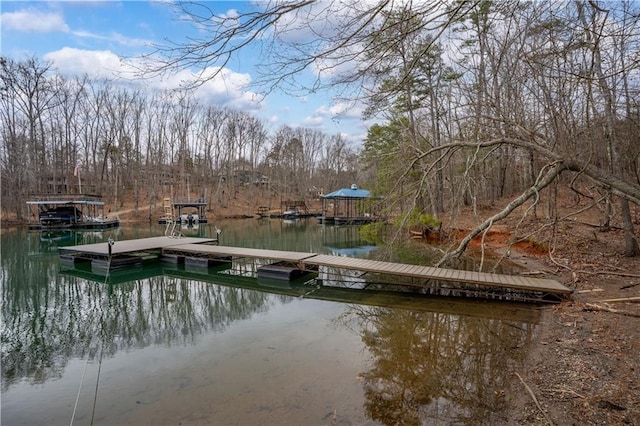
(552, 171)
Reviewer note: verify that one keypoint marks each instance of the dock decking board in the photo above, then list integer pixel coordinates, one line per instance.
(437, 273)
(290, 256)
(520, 280)
(451, 275)
(413, 270)
(131, 246)
(407, 270)
(366, 263)
(198, 246)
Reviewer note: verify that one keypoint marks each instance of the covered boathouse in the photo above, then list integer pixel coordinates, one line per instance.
(173, 211)
(70, 211)
(348, 206)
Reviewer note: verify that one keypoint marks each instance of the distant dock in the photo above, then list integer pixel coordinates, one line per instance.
(123, 254)
(68, 211)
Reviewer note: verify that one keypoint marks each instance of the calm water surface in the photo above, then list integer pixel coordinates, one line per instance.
(167, 345)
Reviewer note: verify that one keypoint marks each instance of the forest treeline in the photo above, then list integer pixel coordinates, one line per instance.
(474, 102)
(120, 139)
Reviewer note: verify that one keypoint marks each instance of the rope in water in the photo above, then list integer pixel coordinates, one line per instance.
(75, 407)
(95, 396)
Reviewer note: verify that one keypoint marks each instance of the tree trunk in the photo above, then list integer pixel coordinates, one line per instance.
(631, 248)
(546, 177)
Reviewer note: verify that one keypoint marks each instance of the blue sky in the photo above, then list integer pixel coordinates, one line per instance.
(90, 37)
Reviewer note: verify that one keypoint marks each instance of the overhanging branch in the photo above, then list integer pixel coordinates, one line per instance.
(552, 171)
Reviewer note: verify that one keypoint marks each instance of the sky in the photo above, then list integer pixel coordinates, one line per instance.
(92, 37)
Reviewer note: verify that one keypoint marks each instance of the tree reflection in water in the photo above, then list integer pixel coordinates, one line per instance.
(46, 325)
(436, 367)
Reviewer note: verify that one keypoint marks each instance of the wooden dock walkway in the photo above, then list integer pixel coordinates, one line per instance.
(132, 246)
(376, 266)
(198, 248)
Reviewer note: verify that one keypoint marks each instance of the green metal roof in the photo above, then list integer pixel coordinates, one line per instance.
(352, 192)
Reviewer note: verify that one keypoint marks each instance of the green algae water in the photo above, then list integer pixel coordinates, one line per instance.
(161, 344)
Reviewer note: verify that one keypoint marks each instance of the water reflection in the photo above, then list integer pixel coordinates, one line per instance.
(419, 359)
(50, 317)
(436, 368)
(48, 241)
(45, 326)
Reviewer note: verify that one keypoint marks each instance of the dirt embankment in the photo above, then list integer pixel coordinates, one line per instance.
(584, 367)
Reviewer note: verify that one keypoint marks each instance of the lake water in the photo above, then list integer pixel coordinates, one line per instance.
(167, 345)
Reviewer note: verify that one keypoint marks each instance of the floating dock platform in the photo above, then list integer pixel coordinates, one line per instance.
(201, 251)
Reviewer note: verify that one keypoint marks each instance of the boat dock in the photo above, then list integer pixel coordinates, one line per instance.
(173, 211)
(132, 246)
(501, 310)
(200, 251)
(63, 211)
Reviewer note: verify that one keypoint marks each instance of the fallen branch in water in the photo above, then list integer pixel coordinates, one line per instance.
(535, 272)
(533, 396)
(617, 274)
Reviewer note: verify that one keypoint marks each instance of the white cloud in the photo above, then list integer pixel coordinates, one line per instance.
(317, 28)
(318, 21)
(313, 121)
(354, 139)
(95, 63)
(195, 14)
(30, 20)
(114, 37)
(230, 14)
(340, 110)
(337, 116)
(227, 88)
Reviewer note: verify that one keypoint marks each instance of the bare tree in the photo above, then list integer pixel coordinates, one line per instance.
(127, 140)
(293, 36)
(594, 20)
(28, 95)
